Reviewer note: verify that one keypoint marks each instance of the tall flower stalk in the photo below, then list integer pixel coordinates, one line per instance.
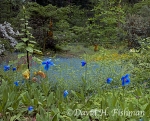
(84, 63)
(28, 42)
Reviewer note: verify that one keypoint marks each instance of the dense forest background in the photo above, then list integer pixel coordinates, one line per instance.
(102, 22)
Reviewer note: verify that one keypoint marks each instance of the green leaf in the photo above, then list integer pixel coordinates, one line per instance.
(13, 118)
(21, 55)
(55, 117)
(37, 60)
(30, 49)
(42, 111)
(40, 103)
(50, 99)
(39, 117)
(29, 27)
(22, 19)
(31, 36)
(20, 45)
(24, 39)
(33, 42)
(23, 7)
(37, 51)
(31, 45)
(74, 93)
(21, 34)
(10, 108)
(5, 95)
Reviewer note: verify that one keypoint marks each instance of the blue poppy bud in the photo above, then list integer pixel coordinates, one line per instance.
(65, 93)
(14, 69)
(30, 108)
(109, 80)
(83, 63)
(16, 83)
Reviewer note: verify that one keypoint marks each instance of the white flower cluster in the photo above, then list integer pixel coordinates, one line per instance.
(7, 32)
(2, 48)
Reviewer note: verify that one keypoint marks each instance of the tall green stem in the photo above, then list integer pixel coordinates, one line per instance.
(28, 59)
(85, 65)
(26, 41)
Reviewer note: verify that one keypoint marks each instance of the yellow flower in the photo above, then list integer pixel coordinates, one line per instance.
(42, 74)
(26, 74)
(35, 73)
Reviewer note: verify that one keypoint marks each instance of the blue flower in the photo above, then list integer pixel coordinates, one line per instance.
(65, 93)
(30, 108)
(16, 83)
(22, 82)
(6, 68)
(109, 80)
(47, 64)
(14, 69)
(125, 80)
(83, 63)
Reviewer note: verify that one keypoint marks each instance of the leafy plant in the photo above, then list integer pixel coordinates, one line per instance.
(142, 63)
(27, 40)
(107, 22)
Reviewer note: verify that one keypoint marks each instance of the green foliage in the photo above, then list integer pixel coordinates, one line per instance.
(9, 10)
(106, 23)
(27, 40)
(66, 21)
(52, 106)
(137, 22)
(142, 63)
(138, 6)
(88, 99)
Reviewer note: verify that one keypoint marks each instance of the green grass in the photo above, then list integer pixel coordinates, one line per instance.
(88, 99)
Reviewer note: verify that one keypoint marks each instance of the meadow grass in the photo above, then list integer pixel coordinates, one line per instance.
(89, 96)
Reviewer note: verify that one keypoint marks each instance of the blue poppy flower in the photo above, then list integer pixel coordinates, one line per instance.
(109, 80)
(47, 64)
(6, 68)
(65, 93)
(14, 69)
(83, 63)
(30, 108)
(125, 80)
(22, 81)
(16, 83)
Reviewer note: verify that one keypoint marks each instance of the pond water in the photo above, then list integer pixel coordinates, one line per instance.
(70, 71)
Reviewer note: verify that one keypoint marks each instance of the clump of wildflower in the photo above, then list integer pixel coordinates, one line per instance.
(6, 68)
(30, 108)
(16, 83)
(125, 80)
(109, 80)
(65, 93)
(40, 73)
(47, 64)
(14, 69)
(83, 63)
(26, 74)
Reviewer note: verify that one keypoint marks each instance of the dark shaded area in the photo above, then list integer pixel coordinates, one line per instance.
(82, 3)
(62, 3)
